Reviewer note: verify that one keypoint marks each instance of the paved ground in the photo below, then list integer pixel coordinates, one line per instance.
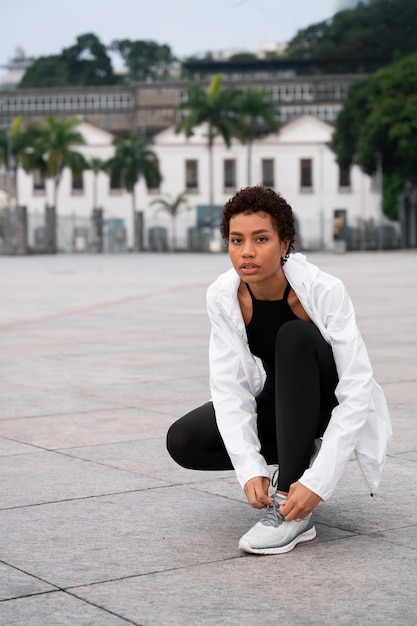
(98, 526)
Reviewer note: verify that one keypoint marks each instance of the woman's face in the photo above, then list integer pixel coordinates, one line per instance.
(255, 248)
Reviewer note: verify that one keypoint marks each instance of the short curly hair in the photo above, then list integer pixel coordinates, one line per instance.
(259, 199)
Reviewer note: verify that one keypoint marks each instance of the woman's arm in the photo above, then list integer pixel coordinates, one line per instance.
(233, 397)
(335, 313)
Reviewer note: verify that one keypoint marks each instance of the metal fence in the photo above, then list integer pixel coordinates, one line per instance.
(45, 233)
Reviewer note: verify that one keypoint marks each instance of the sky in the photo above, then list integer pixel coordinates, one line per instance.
(189, 27)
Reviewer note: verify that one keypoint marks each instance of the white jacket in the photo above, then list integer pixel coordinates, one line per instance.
(360, 422)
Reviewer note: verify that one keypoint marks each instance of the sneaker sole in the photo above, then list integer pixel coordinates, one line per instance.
(307, 535)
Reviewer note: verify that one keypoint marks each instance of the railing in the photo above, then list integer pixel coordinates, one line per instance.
(7, 183)
(45, 233)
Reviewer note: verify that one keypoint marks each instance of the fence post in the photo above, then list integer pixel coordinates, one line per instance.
(138, 234)
(97, 228)
(50, 227)
(20, 230)
(6, 238)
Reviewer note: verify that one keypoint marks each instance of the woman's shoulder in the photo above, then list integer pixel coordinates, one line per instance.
(300, 271)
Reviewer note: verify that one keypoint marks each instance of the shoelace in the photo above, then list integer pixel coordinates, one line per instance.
(272, 515)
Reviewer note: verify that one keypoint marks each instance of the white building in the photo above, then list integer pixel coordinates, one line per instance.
(297, 162)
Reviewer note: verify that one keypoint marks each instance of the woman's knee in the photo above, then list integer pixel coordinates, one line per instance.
(296, 336)
(177, 441)
(188, 435)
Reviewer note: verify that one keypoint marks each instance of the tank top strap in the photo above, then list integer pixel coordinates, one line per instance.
(251, 294)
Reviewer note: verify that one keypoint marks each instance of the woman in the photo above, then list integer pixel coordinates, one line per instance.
(290, 378)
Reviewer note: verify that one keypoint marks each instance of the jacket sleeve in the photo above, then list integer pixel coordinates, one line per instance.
(233, 399)
(353, 392)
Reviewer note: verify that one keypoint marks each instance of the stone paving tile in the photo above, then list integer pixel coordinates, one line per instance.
(357, 580)
(84, 429)
(14, 584)
(393, 507)
(406, 536)
(43, 476)
(147, 457)
(97, 539)
(405, 431)
(55, 609)
(409, 456)
(8, 447)
(68, 282)
(21, 401)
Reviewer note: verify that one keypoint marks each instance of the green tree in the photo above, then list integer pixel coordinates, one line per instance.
(173, 207)
(349, 122)
(16, 148)
(46, 72)
(4, 148)
(216, 107)
(53, 151)
(88, 62)
(133, 160)
(96, 166)
(145, 59)
(380, 118)
(376, 29)
(243, 57)
(85, 63)
(7, 162)
(257, 116)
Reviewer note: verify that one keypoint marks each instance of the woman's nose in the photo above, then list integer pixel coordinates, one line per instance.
(248, 249)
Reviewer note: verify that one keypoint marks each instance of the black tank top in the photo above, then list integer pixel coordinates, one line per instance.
(267, 318)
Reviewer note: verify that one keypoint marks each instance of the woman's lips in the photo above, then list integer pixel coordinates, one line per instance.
(249, 268)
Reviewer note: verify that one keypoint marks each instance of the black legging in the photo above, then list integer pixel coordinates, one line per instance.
(289, 420)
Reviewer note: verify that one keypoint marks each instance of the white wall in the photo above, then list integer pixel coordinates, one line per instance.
(305, 137)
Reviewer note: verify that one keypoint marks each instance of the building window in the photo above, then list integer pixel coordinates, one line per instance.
(191, 175)
(77, 183)
(268, 173)
(38, 182)
(344, 178)
(229, 171)
(306, 174)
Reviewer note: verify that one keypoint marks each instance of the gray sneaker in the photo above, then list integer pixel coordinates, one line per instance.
(273, 535)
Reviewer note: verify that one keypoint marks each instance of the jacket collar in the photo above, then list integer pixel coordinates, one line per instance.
(226, 298)
(300, 273)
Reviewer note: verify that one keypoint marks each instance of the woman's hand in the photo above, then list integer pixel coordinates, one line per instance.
(299, 503)
(256, 490)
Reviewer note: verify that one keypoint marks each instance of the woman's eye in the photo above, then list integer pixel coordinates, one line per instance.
(261, 239)
(235, 240)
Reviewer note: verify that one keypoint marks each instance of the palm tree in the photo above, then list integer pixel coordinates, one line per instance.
(53, 151)
(4, 147)
(173, 207)
(7, 161)
(96, 166)
(257, 116)
(133, 159)
(15, 146)
(216, 107)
